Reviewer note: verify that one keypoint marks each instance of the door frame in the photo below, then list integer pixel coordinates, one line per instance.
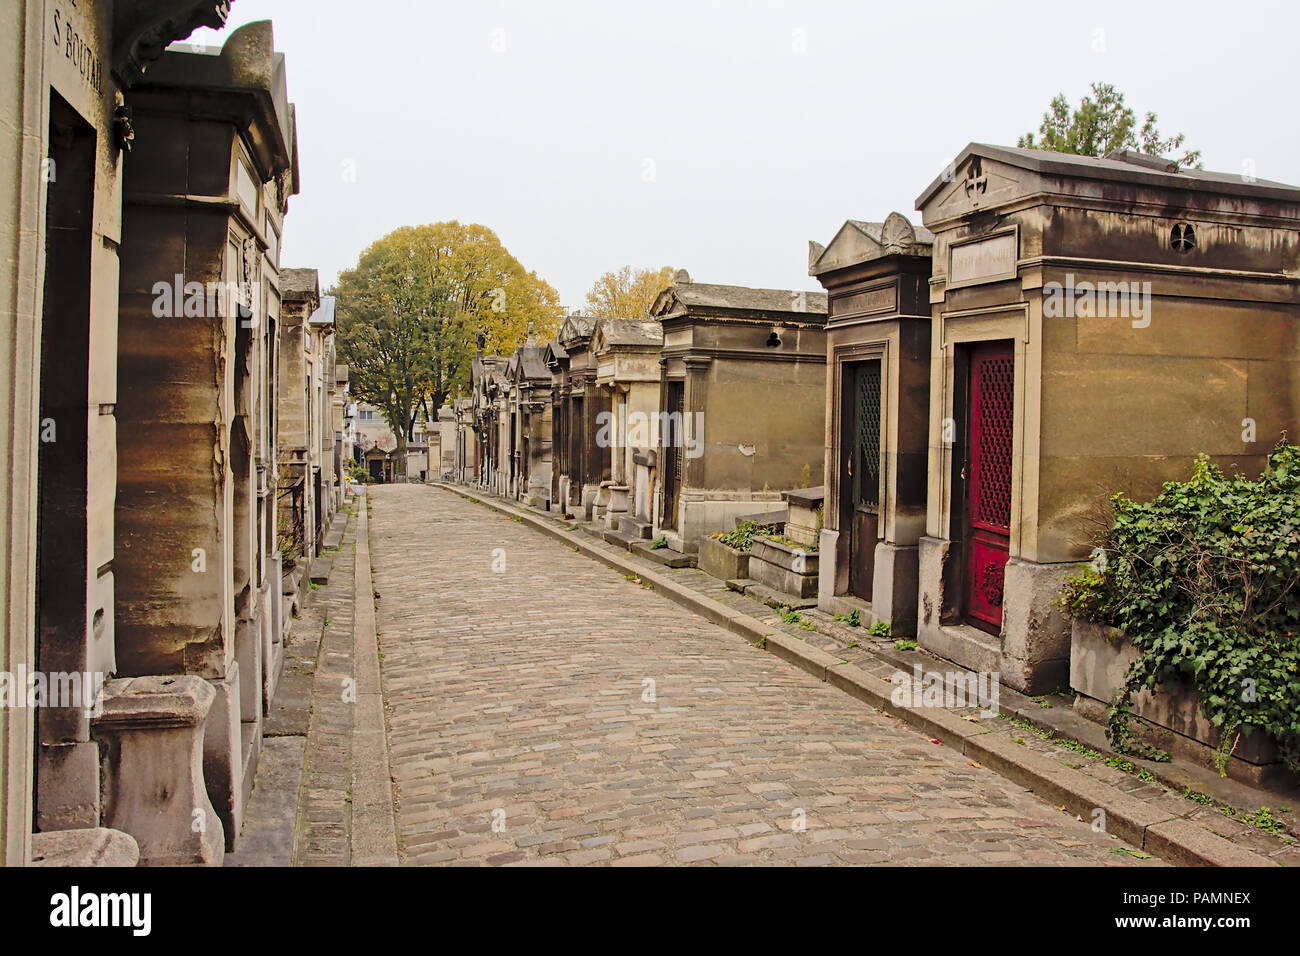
(1009, 322)
(847, 361)
(672, 463)
(971, 532)
(842, 357)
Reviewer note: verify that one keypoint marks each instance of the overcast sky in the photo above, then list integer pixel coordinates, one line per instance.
(721, 136)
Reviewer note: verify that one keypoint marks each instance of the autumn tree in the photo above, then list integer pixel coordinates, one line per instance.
(1103, 123)
(627, 294)
(409, 312)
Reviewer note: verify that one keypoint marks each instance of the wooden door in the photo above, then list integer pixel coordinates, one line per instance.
(988, 487)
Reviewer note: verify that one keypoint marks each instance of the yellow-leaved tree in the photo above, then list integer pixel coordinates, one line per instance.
(409, 312)
(628, 294)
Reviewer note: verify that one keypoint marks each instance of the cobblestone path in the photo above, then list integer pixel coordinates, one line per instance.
(543, 710)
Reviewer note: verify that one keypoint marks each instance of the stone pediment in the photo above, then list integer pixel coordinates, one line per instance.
(977, 183)
(859, 241)
(574, 329)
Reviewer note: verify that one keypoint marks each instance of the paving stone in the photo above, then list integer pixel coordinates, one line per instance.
(524, 689)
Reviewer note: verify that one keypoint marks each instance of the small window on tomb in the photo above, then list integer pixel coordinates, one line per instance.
(272, 241)
(246, 188)
(1182, 238)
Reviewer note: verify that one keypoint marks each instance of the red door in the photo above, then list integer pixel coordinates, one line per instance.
(988, 471)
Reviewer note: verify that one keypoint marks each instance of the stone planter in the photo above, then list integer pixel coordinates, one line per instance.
(784, 568)
(722, 561)
(1100, 656)
(804, 523)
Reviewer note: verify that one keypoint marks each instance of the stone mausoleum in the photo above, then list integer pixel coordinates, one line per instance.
(1097, 324)
(877, 277)
(742, 400)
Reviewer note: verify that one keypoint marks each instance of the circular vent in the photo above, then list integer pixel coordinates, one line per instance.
(1182, 238)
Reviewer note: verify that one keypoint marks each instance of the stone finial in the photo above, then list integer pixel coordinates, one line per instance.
(815, 250)
(682, 278)
(897, 234)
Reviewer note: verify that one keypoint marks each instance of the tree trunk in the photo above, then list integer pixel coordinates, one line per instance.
(399, 466)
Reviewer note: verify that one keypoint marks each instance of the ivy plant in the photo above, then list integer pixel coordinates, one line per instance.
(1204, 579)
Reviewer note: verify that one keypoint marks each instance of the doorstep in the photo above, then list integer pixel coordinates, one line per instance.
(665, 556)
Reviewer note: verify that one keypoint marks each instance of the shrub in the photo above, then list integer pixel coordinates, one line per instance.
(742, 536)
(1205, 581)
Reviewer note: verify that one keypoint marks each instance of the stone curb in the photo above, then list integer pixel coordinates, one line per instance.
(1174, 839)
(374, 821)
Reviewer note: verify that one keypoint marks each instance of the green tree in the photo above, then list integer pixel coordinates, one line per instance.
(627, 294)
(409, 313)
(1103, 123)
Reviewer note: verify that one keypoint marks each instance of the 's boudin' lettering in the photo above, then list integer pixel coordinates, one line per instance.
(77, 51)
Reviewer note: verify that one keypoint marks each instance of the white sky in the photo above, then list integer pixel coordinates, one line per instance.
(756, 146)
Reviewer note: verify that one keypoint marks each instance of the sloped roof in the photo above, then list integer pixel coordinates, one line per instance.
(1119, 166)
(684, 297)
(532, 362)
(299, 284)
(631, 332)
(325, 314)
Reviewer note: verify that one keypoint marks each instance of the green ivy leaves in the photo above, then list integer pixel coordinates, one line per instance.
(1204, 579)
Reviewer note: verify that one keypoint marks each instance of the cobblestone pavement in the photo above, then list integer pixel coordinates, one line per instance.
(525, 730)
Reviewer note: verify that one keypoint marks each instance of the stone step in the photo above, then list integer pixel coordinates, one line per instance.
(320, 570)
(251, 741)
(621, 539)
(665, 556)
(595, 530)
(776, 599)
(636, 527)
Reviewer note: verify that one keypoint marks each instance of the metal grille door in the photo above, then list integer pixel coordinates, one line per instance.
(991, 431)
(674, 452)
(864, 470)
(867, 408)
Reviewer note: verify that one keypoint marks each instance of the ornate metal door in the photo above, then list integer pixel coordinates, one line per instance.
(577, 437)
(988, 471)
(673, 451)
(862, 434)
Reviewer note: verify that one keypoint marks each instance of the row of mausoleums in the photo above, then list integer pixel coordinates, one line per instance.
(171, 406)
(954, 412)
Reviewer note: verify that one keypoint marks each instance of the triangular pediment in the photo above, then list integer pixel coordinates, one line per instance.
(853, 243)
(982, 177)
(859, 241)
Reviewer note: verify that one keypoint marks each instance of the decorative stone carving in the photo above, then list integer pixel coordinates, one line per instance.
(143, 29)
(977, 181)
